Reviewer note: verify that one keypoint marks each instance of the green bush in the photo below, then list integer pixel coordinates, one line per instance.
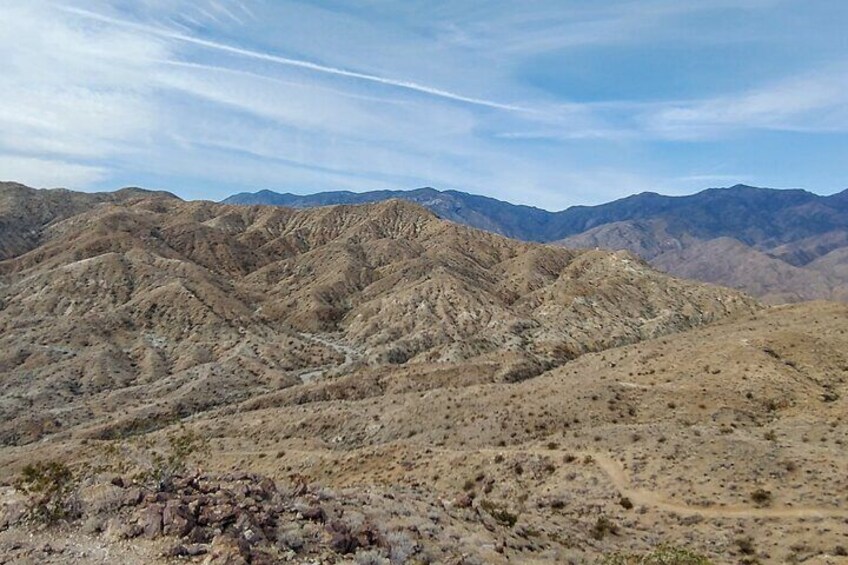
(50, 487)
(157, 464)
(602, 527)
(501, 515)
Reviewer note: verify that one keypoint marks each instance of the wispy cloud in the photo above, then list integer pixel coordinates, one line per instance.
(299, 63)
(70, 91)
(815, 102)
(543, 27)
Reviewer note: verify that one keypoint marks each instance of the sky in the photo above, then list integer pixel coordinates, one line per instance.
(543, 102)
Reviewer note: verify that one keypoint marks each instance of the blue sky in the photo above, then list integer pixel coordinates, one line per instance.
(542, 102)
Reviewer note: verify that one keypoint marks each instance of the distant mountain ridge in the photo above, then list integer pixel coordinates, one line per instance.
(753, 215)
(778, 231)
(512, 220)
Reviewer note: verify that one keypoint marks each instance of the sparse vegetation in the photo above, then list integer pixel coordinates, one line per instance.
(435, 459)
(761, 497)
(663, 555)
(830, 396)
(157, 463)
(500, 513)
(746, 546)
(50, 487)
(602, 527)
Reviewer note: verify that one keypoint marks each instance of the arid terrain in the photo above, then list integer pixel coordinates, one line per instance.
(781, 246)
(372, 384)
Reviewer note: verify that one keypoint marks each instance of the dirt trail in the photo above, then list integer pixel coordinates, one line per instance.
(618, 477)
(642, 497)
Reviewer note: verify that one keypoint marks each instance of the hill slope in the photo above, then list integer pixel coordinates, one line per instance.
(148, 297)
(724, 439)
(760, 217)
(376, 362)
(792, 227)
(24, 213)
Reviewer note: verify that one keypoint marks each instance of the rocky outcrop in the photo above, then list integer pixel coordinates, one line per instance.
(232, 519)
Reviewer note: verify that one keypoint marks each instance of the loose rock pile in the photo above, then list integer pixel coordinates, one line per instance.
(234, 519)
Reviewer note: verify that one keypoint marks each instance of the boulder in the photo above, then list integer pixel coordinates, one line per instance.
(151, 521)
(225, 551)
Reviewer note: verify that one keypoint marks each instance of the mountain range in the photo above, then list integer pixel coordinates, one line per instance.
(137, 290)
(779, 245)
(374, 384)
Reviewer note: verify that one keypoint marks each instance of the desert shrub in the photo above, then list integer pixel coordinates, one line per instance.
(156, 464)
(370, 557)
(746, 546)
(602, 527)
(830, 395)
(501, 515)
(397, 356)
(401, 546)
(662, 555)
(761, 497)
(557, 504)
(290, 539)
(50, 487)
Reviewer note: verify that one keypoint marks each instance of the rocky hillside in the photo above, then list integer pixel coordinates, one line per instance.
(783, 231)
(371, 384)
(808, 269)
(140, 308)
(521, 222)
(760, 217)
(724, 440)
(24, 212)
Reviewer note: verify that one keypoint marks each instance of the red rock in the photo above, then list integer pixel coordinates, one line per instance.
(151, 521)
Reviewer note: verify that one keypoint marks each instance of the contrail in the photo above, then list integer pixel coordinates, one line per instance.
(408, 85)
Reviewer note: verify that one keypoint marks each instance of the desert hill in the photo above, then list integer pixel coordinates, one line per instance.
(759, 217)
(141, 308)
(726, 439)
(785, 274)
(25, 211)
(490, 214)
(780, 232)
(408, 390)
